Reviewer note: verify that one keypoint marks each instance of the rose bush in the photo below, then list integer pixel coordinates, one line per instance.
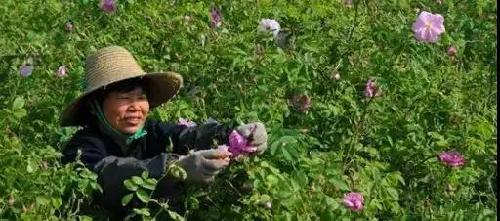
(335, 137)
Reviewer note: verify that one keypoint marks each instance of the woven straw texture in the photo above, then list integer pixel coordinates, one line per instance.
(113, 64)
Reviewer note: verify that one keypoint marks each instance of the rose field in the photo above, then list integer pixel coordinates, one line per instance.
(375, 110)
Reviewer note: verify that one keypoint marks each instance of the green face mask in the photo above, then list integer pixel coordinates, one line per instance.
(96, 109)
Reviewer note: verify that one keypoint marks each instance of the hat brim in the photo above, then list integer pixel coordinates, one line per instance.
(162, 86)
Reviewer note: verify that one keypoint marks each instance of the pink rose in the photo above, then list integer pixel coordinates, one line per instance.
(428, 27)
(61, 71)
(452, 158)
(238, 144)
(108, 6)
(186, 122)
(353, 201)
(452, 51)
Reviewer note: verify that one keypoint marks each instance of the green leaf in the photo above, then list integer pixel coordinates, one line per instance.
(177, 171)
(301, 178)
(483, 129)
(286, 154)
(142, 195)
(42, 201)
(56, 202)
(284, 194)
(130, 185)
(272, 179)
(145, 174)
(84, 218)
(29, 167)
(19, 113)
(264, 198)
(151, 181)
(126, 199)
(148, 186)
(342, 185)
(174, 215)
(327, 215)
(264, 164)
(137, 180)
(18, 103)
(390, 141)
(400, 178)
(143, 211)
(372, 152)
(393, 193)
(442, 143)
(282, 143)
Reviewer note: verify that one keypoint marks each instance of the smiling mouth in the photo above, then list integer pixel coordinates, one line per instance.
(133, 120)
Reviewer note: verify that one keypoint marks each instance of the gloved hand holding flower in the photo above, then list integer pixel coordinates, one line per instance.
(248, 139)
(202, 166)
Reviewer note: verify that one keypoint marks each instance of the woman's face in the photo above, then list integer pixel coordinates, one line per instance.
(126, 111)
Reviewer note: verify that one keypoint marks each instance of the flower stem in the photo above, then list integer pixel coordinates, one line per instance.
(357, 134)
(351, 31)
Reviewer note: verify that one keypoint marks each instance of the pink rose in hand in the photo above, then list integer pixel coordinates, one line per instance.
(239, 145)
(186, 122)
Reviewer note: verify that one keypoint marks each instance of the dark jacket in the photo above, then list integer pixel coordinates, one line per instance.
(149, 153)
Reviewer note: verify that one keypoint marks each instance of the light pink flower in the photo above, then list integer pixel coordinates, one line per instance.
(452, 51)
(186, 122)
(371, 89)
(238, 144)
(108, 6)
(271, 25)
(353, 201)
(428, 27)
(61, 71)
(25, 70)
(215, 17)
(452, 158)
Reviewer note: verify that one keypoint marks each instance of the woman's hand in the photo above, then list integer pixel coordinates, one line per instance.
(256, 135)
(202, 166)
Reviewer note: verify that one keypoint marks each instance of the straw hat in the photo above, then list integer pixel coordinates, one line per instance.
(112, 64)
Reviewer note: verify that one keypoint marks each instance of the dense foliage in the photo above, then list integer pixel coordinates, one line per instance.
(416, 142)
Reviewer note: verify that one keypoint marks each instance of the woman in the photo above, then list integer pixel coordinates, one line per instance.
(117, 140)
